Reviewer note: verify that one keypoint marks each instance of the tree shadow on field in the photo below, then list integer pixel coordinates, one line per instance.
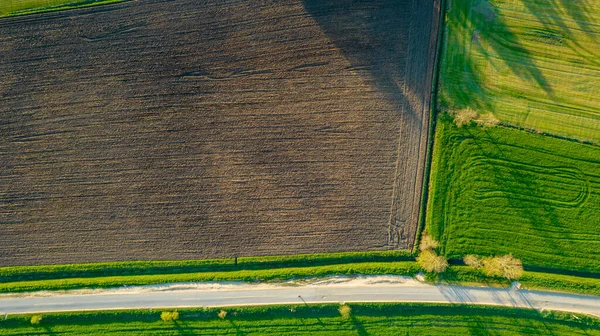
(357, 325)
(550, 13)
(489, 34)
(238, 331)
(474, 27)
(375, 38)
(48, 331)
(183, 328)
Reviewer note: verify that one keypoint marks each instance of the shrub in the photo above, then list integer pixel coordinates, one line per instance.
(169, 316)
(222, 314)
(345, 311)
(491, 266)
(488, 120)
(506, 266)
(428, 243)
(512, 268)
(473, 261)
(431, 262)
(36, 319)
(465, 116)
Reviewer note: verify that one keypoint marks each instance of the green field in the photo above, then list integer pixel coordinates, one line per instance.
(366, 319)
(500, 190)
(532, 63)
(22, 7)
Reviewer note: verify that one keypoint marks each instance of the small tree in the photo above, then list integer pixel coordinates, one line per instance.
(222, 314)
(491, 266)
(36, 319)
(169, 316)
(512, 268)
(428, 243)
(506, 266)
(473, 261)
(345, 311)
(431, 262)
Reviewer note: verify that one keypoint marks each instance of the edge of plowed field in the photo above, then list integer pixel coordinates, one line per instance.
(434, 75)
(57, 8)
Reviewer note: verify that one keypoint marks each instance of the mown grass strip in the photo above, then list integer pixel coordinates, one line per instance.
(23, 7)
(531, 63)
(323, 319)
(368, 268)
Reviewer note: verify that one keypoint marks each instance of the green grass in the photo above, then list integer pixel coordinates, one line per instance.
(23, 7)
(94, 270)
(499, 190)
(463, 275)
(366, 319)
(532, 63)
(114, 274)
(455, 275)
(369, 268)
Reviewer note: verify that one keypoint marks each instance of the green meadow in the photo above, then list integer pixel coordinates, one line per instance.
(500, 190)
(530, 63)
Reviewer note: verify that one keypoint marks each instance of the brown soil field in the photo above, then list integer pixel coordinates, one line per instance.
(153, 130)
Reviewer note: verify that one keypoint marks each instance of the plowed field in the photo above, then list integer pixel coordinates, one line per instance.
(194, 129)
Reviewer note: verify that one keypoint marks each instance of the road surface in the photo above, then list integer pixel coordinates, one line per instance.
(349, 291)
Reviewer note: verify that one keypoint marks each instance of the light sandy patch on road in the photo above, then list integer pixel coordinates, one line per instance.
(332, 281)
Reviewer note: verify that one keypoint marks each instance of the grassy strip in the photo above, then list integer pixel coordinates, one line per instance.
(24, 7)
(454, 275)
(94, 270)
(432, 114)
(366, 319)
(530, 280)
(369, 268)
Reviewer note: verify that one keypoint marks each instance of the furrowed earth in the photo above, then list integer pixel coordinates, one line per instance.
(186, 130)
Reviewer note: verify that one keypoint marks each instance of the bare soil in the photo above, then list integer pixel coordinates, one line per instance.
(198, 129)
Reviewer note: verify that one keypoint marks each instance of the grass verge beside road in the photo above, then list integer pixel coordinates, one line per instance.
(364, 319)
(454, 275)
(24, 7)
(127, 268)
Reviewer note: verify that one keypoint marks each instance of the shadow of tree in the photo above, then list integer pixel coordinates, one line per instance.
(357, 325)
(183, 328)
(476, 27)
(48, 331)
(238, 330)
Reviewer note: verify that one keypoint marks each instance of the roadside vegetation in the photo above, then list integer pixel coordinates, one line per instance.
(499, 191)
(530, 63)
(23, 7)
(330, 319)
(269, 269)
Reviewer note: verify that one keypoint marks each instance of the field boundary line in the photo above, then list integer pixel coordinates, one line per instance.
(435, 67)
